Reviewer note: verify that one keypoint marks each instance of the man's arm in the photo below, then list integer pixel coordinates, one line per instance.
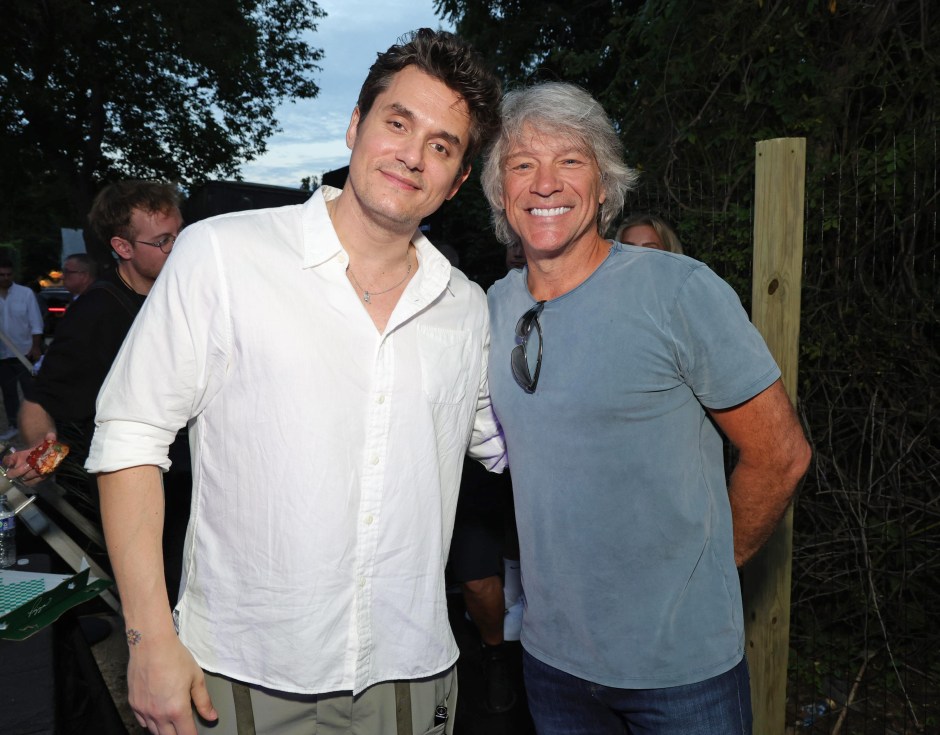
(36, 328)
(162, 676)
(487, 444)
(773, 457)
(35, 423)
(35, 351)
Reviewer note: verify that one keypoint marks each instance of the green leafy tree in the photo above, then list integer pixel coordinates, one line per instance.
(691, 86)
(96, 91)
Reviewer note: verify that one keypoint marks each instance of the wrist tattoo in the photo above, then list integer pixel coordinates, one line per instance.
(133, 637)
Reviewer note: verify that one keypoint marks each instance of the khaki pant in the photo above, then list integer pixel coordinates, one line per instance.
(381, 709)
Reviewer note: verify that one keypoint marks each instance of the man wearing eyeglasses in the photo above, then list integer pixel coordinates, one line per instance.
(613, 369)
(140, 220)
(78, 273)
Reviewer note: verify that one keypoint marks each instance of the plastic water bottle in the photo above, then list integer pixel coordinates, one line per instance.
(810, 713)
(7, 534)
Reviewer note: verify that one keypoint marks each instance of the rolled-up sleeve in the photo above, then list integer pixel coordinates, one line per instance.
(487, 444)
(171, 363)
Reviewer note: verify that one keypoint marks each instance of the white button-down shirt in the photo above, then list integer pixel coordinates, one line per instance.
(20, 319)
(326, 456)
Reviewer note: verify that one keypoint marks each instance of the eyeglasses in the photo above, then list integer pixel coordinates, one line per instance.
(165, 243)
(67, 272)
(519, 359)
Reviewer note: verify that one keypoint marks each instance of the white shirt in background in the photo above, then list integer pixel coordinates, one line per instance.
(20, 319)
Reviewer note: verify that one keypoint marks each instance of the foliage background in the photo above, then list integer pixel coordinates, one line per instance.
(91, 92)
(691, 86)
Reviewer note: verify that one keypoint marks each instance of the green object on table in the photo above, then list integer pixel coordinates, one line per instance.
(29, 602)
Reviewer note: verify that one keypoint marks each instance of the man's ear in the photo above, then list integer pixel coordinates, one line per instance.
(458, 182)
(353, 128)
(122, 247)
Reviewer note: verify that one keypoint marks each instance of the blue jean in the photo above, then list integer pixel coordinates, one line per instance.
(562, 704)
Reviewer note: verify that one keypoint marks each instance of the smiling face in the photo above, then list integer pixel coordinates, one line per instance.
(551, 193)
(407, 152)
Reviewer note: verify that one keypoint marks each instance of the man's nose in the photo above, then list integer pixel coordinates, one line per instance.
(411, 153)
(546, 181)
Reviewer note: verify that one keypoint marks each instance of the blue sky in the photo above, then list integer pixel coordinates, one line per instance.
(313, 136)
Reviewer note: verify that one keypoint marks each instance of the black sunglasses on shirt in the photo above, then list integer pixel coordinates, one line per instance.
(519, 358)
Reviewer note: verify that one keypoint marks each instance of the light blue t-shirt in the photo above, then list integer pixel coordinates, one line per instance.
(621, 500)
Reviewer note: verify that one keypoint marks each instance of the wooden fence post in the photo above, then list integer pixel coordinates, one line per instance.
(780, 173)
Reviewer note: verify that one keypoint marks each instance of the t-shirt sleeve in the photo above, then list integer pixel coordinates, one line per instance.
(721, 355)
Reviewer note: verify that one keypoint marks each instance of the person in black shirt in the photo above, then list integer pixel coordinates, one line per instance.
(140, 220)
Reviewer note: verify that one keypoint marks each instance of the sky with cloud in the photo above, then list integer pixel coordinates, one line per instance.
(312, 140)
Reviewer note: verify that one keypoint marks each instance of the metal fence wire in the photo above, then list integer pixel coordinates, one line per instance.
(865, 617)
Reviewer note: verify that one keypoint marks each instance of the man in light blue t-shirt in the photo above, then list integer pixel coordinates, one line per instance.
(612, 370)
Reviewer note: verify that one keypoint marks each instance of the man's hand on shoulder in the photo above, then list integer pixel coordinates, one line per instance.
(164, 682)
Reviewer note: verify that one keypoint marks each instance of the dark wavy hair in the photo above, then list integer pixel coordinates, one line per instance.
(450, 60)
(111, 211)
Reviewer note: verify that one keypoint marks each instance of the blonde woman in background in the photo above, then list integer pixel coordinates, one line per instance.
(649, 231)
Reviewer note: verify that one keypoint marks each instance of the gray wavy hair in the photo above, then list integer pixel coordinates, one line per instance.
(557, 109)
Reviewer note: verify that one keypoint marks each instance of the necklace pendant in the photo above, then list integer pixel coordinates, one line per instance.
(366, 297)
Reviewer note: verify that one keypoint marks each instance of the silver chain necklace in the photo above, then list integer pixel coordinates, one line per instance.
(366, 294)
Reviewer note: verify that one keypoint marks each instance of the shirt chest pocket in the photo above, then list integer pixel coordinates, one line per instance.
(446, 358)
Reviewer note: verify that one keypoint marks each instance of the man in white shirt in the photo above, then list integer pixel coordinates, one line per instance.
(331, 366)
(21, 323)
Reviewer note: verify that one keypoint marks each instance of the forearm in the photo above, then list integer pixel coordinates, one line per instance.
(163, 680)
(132, 515)
(773, 457)
(759, 498)
(35, 423)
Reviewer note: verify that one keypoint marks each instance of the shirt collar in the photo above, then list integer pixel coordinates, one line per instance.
(435, 271)
(320, 240)
(321, 244)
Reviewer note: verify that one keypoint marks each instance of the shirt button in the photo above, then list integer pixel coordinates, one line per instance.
(368, 519)
(362, 581)
(380, 399)
(341, 258)
(374, 460)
